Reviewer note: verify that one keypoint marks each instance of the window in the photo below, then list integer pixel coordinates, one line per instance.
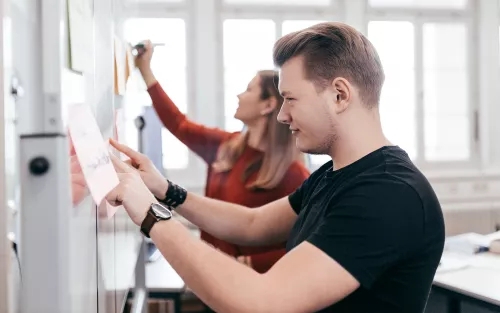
(446, 94)
(247, 48)
(428, 4)
(442, 129)
(281, 2)
(397, 102)
(169, 66)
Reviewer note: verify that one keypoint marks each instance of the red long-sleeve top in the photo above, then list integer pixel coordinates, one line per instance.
(227, 186)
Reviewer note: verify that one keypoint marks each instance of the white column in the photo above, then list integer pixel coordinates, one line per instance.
(204, 72)
(488, 82)
(205, 79)
(355, 14)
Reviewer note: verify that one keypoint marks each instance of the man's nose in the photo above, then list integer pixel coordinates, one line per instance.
(284, 115)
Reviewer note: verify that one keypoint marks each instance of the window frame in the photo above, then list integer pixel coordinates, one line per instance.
(419, 17)
(278, 14)
(206, 93)
(193, 175)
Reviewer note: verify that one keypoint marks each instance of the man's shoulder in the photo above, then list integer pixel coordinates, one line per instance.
(383, 187)
(395, 172)
(394, 197)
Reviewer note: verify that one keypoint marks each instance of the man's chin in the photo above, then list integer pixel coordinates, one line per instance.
(304, 147)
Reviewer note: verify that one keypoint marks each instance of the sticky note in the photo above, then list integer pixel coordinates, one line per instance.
(120, 67)
(92, 153)
(80, 19)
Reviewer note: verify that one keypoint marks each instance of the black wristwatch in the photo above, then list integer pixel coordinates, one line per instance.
(156, 213)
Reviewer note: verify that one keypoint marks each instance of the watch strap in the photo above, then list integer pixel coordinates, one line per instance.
(148, 223)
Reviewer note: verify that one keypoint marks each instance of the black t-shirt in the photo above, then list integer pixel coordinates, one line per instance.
(380, 219)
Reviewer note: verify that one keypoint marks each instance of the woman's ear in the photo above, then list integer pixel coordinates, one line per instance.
(269, 106)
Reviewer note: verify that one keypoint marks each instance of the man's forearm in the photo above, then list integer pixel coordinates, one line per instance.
(221, 282)
(224, 220)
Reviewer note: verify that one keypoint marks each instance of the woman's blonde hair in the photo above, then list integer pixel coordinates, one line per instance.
(280, 151)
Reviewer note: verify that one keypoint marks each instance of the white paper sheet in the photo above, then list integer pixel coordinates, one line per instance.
(93, 154)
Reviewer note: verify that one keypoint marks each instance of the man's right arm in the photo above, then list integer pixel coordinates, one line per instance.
(238, 224)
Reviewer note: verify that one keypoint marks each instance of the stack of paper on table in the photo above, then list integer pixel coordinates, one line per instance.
(460, 251)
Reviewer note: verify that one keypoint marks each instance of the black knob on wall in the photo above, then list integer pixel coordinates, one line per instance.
(39, 166)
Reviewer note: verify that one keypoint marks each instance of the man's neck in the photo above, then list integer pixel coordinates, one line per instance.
(352, 147)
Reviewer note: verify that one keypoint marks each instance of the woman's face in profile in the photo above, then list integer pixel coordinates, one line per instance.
(250, 105)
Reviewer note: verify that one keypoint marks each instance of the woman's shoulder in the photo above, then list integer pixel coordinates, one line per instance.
(297, 170)
(231, 136)
(294, 177)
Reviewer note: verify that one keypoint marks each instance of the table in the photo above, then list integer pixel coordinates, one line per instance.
(163, 282)
(477, 282)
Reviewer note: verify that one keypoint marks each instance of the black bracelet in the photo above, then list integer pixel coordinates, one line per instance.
(175, 195)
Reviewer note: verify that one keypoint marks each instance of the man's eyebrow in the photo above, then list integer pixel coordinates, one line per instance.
(285, 93)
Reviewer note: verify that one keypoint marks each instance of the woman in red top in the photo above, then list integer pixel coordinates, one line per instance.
(250, 168)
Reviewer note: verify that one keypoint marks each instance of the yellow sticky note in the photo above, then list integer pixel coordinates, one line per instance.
(120, 67)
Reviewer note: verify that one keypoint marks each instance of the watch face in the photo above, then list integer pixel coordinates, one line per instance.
(160, 211)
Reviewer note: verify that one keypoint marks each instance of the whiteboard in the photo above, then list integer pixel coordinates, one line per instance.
(101, 252)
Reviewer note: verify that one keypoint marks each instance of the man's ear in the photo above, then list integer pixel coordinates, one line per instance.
(343, 92)
(269, 106)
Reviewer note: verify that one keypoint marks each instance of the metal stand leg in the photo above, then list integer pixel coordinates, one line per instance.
(177, 303)
(453, 305)
(140, 303)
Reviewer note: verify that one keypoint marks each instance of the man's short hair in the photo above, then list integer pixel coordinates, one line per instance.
(332, 50)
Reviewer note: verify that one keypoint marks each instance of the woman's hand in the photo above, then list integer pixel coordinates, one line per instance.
(131, 192)
(143, 60)
(153, 179)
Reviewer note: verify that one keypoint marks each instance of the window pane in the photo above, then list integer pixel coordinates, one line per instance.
(397, 103)
(295, 25)
(448, 4)
(169, 66)
(281, 2)
(446, 92)
(248, 48)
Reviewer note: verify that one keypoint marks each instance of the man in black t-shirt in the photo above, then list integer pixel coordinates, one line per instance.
(365, 233)
(380, 220)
